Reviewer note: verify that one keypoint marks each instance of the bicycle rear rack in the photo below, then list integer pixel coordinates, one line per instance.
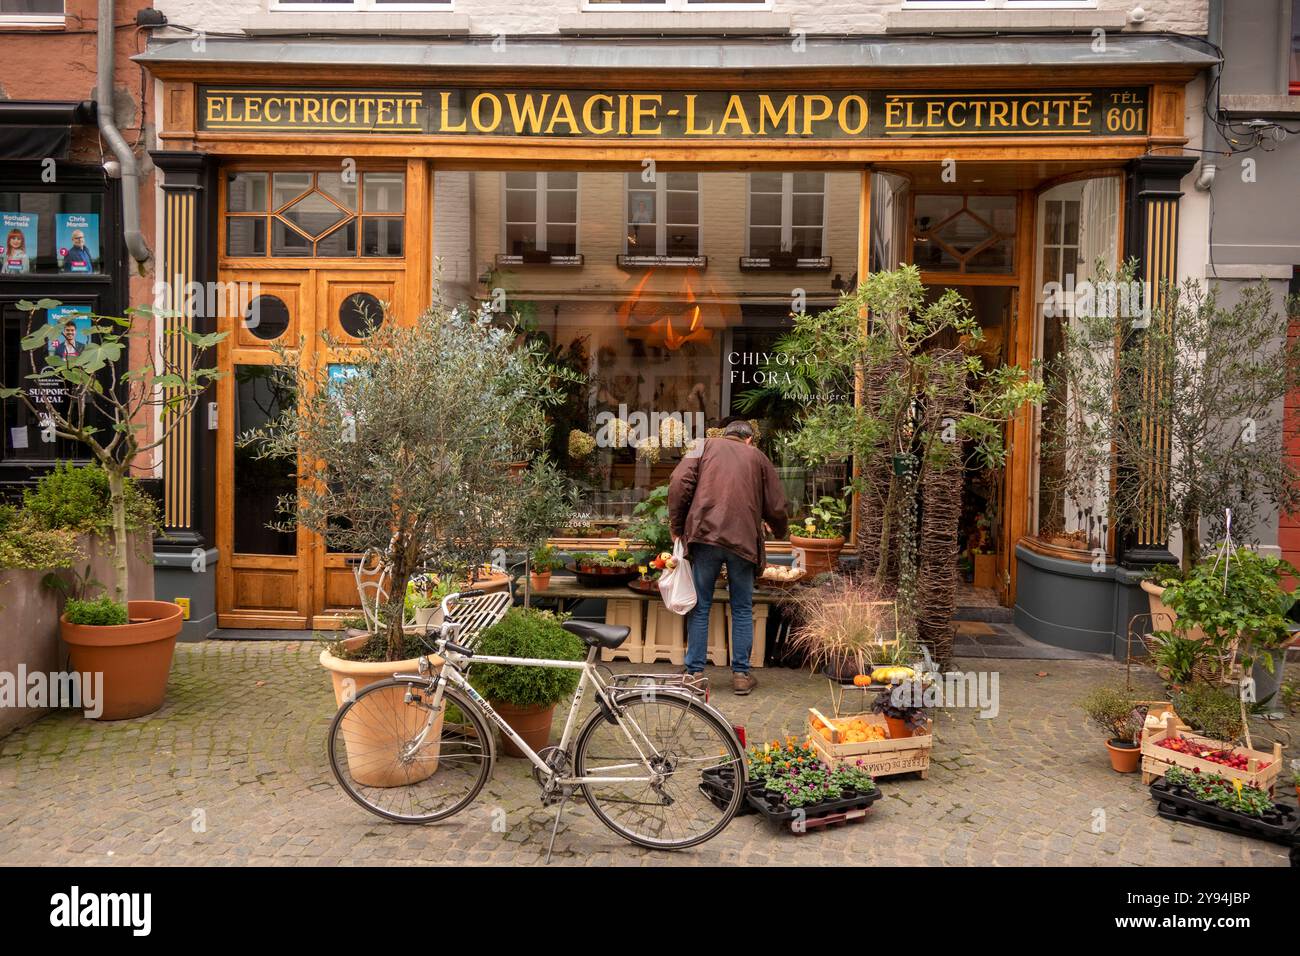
(678, 682)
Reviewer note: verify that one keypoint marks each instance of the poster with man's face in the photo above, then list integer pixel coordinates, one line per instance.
(73, 323)
(76, 235)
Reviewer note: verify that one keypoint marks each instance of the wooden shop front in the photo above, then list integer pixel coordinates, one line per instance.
(658, 226)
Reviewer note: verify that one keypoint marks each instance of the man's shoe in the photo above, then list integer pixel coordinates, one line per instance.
(742, 684)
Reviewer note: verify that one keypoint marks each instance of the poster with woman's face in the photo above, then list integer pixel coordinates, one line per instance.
(76, 235)
(18, 229)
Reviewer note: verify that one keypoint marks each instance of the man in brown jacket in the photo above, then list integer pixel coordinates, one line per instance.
(718, 499)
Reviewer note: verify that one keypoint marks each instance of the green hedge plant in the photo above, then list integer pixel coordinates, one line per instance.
(101, 612)
(525, 632)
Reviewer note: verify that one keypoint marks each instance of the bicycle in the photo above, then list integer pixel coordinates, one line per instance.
(418, 748)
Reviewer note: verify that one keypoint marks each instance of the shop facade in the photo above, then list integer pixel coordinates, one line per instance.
(655, 209)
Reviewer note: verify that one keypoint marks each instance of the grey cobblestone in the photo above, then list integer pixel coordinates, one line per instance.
(242, 738)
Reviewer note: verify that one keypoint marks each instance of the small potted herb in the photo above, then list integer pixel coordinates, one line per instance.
(1115, 711)
(820, 538)
(544, 560)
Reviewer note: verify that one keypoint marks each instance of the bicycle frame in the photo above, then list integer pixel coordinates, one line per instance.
(450, 673)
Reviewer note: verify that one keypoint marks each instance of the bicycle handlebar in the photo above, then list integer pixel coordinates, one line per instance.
(456, 596)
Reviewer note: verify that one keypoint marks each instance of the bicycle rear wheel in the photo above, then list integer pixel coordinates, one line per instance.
(680, 740)
(386, 760)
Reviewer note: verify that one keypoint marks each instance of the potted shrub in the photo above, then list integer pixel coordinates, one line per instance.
(1115, 711)
(544, 560)
(821, 535)
(901, 706)
(1239, 603)
(1295, 780)
(1211, 712)
(525, 697)
(107, 412)
(844, 628)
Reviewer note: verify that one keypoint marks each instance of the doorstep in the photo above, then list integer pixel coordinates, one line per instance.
(995, 640)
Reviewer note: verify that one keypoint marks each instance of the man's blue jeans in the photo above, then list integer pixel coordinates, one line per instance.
(706, 561)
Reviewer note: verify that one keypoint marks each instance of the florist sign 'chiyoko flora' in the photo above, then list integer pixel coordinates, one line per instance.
(677, 114)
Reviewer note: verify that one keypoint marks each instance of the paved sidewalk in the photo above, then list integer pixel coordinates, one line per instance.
(233, 770)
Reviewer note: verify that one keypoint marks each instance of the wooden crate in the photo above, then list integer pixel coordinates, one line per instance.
(880, 758)
(1157, 759)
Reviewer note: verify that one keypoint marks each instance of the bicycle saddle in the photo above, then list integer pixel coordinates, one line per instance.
(595, 634)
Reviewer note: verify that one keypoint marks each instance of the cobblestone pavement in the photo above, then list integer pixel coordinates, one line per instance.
(233, 770)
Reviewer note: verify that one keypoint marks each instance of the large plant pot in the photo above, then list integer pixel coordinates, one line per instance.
(819, 554)
(539, 582)
(533, 724)
(1269, 684)
(1162, 618)
(134, 658)
(985, 570)
(381, 721)
(1124, 759)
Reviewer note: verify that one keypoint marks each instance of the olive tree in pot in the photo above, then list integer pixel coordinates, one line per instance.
(399, 454)
(1224, 370)
(525, 697)
(1115, 711)
(89, 399)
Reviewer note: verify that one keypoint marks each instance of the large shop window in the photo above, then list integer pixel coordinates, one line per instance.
(306, 214)
(51, 233)
(1078, 231)
(667, 349)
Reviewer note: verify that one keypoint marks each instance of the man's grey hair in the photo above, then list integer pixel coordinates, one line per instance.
(739, 429)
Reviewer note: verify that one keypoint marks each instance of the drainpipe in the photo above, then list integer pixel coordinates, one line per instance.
(1212, 138)
(135, 241)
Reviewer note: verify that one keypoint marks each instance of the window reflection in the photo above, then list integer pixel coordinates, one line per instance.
(648, 288)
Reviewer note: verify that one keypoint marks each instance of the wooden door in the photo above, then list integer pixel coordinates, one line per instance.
(349, 303)
(261, 579)
(268, 576)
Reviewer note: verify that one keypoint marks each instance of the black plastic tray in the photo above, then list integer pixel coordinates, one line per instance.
(1177, 803)
(782, 815)
(719, 783)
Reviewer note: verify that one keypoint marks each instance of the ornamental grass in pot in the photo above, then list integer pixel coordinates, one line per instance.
(525, 697)
(1115, 711)
(90, 398)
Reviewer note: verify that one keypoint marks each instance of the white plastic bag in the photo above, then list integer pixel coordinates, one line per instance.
(677, 584)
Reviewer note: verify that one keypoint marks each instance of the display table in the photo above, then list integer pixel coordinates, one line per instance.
(656, 633)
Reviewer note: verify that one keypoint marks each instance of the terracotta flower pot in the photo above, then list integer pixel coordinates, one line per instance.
(533, 724)
(134, 658)
(539, 581)
(1124, 759)
(819, 554)
(1162, 618)
(898, 728)
(377, 726)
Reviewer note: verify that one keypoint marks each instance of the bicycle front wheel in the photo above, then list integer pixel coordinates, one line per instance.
(401, 759)
(653, 769)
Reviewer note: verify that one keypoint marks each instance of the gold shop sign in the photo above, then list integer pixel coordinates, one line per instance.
(675, 114)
